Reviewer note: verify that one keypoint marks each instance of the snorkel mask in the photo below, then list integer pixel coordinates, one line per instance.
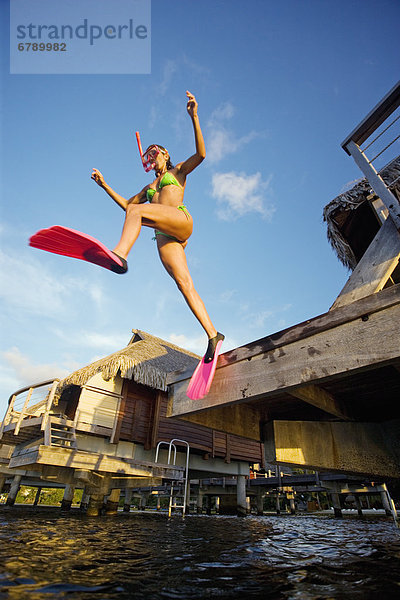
(148, 159)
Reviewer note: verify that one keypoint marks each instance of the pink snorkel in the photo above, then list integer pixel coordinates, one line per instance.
(147, 162)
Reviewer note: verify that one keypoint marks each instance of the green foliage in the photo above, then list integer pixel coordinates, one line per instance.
(48, 496)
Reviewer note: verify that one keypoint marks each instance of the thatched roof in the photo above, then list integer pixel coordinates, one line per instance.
(350, 201)
(146, 359)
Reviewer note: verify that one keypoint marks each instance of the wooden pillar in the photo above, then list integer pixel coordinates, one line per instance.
(260, 503)
(337, 509)
(217, 504)
(68, 497)
(199, 501)
(292, 505)
(187, 498)
(128, 500)
(12, 494)
(95, 503)
(208, 505)
(241, 504)
(278, 504)
(387, 502)
(37, 497)
(2, 482)
(158, 502)
(358, 504)
(113, 502)
(85, 500)
(143, 500)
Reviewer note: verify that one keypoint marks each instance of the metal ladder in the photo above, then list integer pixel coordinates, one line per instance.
(171, 445)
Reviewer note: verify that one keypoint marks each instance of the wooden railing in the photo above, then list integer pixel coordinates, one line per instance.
(31, 406)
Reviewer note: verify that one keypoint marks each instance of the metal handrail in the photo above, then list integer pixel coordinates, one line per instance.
(171, 445)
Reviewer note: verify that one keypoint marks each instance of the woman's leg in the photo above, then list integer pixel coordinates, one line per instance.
(167, 219)
(173, 258)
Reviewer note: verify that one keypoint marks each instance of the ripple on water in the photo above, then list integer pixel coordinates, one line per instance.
(147, 556)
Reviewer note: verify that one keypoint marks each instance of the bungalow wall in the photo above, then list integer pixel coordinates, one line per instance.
(143, 419)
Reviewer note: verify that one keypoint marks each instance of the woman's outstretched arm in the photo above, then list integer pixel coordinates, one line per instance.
(193, 161)
(122, 202)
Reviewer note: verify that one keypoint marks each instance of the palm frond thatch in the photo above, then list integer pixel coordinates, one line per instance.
(350, 200)
(147, 360)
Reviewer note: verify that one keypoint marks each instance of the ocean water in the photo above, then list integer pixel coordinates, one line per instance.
(47, 555)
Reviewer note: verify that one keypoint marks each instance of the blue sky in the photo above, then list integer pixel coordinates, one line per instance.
(279, 86)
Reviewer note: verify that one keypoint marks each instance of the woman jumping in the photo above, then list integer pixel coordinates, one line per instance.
(169, 217)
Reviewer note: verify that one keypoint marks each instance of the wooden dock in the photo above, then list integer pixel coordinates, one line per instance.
(324, 394)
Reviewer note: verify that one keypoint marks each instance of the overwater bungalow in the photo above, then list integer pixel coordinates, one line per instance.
(105, 427)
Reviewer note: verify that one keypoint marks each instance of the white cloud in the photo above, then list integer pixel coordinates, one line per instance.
(221, 140)
(170, 68)
(27, 284)
(198, 344)
(239, 194)
(226, 296)
(223, 111)
(92, 339)
(267, 318)
(27, 372)
(193, 344)
(107, 342)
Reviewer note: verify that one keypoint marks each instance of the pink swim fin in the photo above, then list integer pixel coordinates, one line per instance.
(75, 244)
(201, 380)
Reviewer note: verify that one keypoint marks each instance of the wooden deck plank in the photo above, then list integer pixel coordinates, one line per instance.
(332, 318)
(374, 268)
(328, 354)
(79, 459)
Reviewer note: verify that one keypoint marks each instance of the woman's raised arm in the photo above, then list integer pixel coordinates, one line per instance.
(193, 161)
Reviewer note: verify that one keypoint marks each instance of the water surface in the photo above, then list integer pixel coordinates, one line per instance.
(45, 555)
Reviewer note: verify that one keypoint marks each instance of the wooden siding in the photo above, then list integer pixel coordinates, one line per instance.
(144, 420)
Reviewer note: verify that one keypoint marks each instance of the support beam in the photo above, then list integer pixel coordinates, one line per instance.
(292, 505)
(387, 502)
(260, 502)
(337, 508)
(113, 502)
(95, 504)
(375, 267)
(12, 494)
(90, 461)
(241, 496)
(68, 497)
(199, 501)
(37, 496)
(358, 505)
(84, 501)
(127, 500)
(366, 341)
(237, 420)
(318, 397)
(359, 448)
(277, 504)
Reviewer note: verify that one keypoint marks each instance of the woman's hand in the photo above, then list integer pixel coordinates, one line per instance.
(191, 105)
(98, 178)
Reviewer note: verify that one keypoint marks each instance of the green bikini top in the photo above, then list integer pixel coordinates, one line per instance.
(167, 179)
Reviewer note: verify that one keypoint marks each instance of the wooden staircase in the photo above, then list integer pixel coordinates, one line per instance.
(60, 432)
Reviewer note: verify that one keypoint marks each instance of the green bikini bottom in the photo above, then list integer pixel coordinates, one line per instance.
(181, 207)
